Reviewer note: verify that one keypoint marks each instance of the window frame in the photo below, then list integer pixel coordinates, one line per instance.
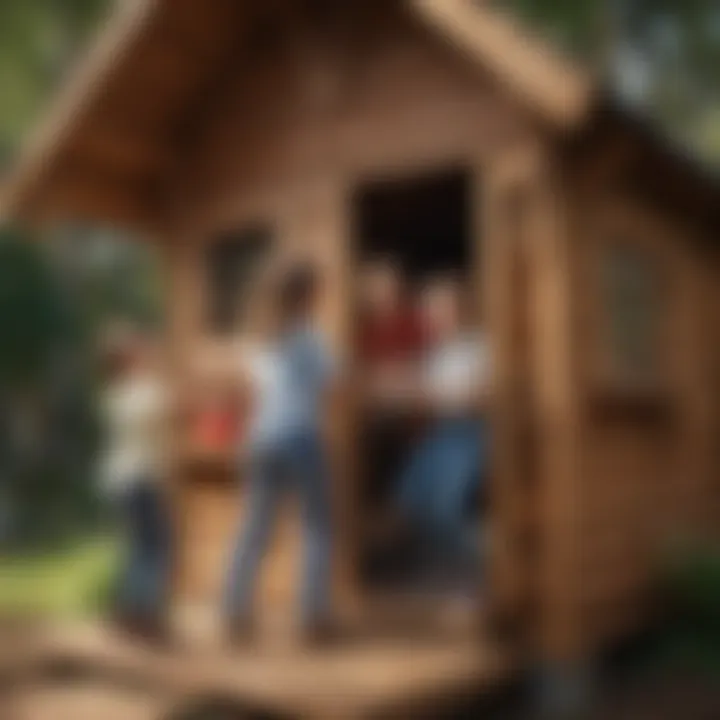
(264, 235)
(648, 239)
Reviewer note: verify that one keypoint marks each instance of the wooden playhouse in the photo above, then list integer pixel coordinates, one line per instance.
(218, 129)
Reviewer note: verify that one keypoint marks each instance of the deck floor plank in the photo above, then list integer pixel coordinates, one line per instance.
(354, 679)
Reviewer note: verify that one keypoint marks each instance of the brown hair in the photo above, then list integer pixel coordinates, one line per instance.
(296, 290)
(282, 291)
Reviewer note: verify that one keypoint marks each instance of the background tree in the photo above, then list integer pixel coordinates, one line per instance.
(39, 40)
(48, 430)
(661, 55)
(54, 294)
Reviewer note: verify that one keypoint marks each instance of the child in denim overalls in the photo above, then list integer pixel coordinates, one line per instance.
(289, 377)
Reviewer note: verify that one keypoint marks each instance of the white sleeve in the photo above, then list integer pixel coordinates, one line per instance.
(458, 373)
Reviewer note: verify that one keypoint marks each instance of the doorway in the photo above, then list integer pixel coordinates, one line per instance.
(423, 223)
(423, 228)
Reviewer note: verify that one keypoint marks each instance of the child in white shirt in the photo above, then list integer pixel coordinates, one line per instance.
(135, 407)
(445, 473)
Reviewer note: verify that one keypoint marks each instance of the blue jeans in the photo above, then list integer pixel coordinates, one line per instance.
(443, 476)
(144, 579)
(298, 464)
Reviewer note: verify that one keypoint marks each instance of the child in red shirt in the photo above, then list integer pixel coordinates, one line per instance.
(391, 328)
(389, 350)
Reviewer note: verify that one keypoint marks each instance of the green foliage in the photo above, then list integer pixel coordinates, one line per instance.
(55, 294)
(674, 46)
(108, 274)
(70, 581)
(573, 24)
(692, 588)
(39, 40)
(34, 316)
(48, 430)
(693, 582)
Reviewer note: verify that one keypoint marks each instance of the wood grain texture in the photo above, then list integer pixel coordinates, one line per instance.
(355, 681)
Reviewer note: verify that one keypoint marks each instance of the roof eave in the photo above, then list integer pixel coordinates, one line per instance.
(39, 157)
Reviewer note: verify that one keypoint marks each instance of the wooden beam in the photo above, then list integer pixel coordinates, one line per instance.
(188, 133)
(561, 93)
(81, 196)
(555, 379)
(202, 31)
(123, 151)
(507, 201)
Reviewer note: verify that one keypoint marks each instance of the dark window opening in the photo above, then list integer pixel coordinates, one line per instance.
(231, 262)
(422, 223)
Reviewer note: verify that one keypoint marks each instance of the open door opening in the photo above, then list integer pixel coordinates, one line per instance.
(423, 465)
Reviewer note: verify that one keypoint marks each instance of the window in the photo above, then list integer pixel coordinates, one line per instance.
(633, 312)
(232, 261)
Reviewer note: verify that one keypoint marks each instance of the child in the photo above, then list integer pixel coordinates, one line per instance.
(391, 331)
(135, 407)
(389, 348)
(289, 374)
(445, 471)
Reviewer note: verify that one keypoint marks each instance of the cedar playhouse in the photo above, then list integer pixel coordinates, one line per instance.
(213, 128)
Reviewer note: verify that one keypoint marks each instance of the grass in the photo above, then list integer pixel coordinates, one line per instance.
(68, 582)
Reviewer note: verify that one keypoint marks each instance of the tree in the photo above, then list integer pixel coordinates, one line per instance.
(48, 430)
(54, 295)
(660, 54)
(39, 40)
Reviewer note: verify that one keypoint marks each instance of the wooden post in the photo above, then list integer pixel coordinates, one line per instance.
(528, 285)
(556, 389)
(505, 282)
(179, 266)
(343, 433)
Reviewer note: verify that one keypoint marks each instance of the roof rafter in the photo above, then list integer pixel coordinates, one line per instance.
(123, 31)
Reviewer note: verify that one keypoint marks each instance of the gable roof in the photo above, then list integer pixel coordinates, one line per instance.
(143, 90)
(558, 90)
(125, 112)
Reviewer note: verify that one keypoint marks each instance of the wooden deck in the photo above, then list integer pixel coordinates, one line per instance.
(355, 680)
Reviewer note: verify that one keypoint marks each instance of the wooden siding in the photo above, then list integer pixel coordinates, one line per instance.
(648, 467)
